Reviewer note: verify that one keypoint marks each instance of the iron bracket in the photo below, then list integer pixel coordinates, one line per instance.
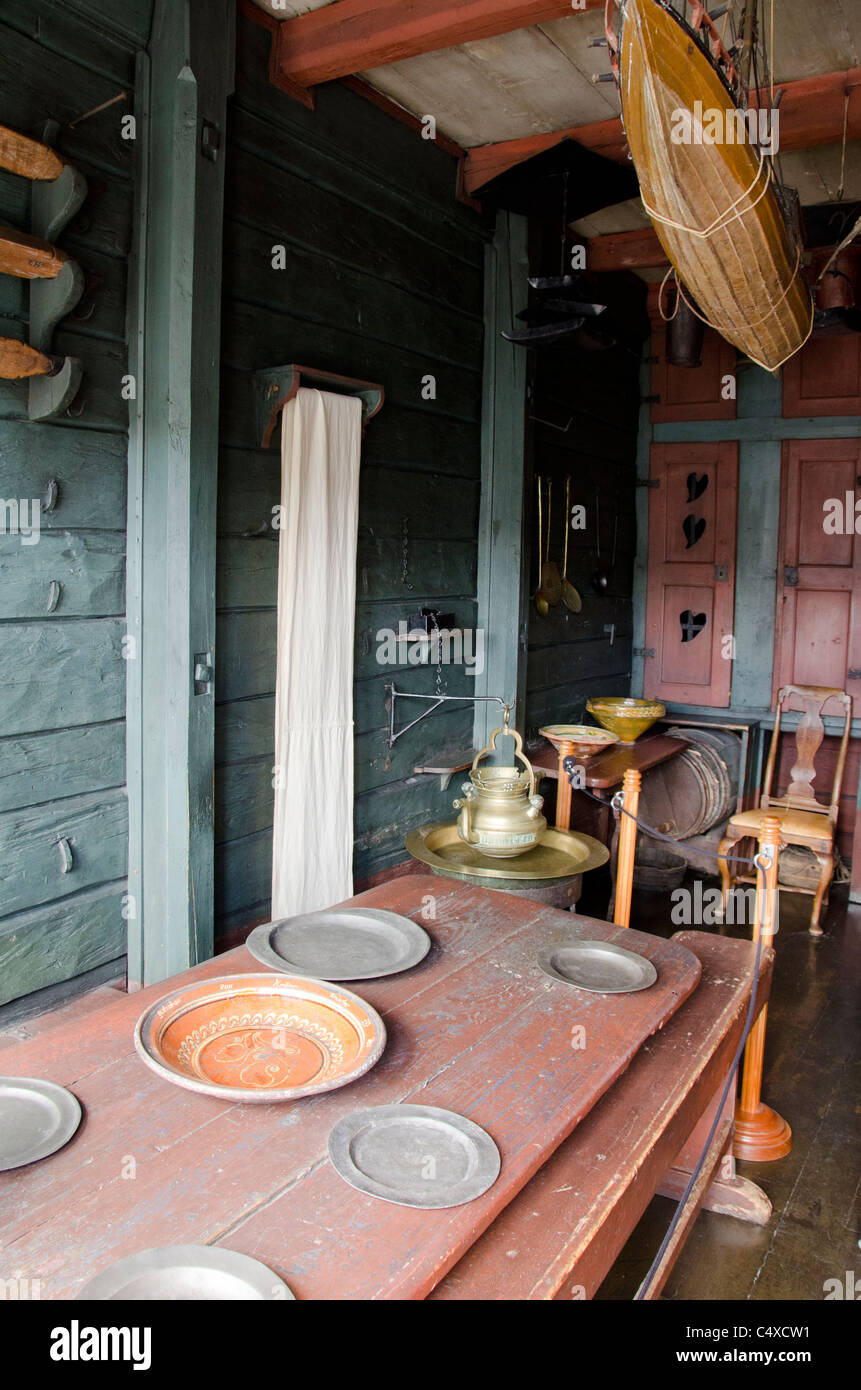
(434, 701)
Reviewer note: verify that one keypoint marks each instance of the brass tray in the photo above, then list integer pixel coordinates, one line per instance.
(561, 854)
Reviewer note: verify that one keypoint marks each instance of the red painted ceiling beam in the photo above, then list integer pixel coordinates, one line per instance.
(634, 250)
(351, 36)
(811, 113)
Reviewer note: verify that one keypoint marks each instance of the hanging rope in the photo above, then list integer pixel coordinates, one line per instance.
(570, 766)
(668, 318)
(841, 186)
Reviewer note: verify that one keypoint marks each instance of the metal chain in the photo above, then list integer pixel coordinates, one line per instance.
(405, 554)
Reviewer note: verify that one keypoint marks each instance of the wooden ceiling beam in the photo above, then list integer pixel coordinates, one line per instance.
(811, 114)
(351, 36)
(636, 250)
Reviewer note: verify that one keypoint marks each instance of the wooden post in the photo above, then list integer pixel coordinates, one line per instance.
(173, 451)
(563, 788)
(627, 847)
(501, 584)
(761, 1135)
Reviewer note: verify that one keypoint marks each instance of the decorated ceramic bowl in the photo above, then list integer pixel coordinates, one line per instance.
(586, 740)
(625, 716)
(260, 1037)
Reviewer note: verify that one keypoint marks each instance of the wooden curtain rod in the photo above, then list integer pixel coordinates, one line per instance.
(275, 386)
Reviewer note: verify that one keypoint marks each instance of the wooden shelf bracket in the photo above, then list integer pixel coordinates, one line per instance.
(275, 386)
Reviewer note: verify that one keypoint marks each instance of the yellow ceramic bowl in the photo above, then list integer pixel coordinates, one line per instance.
(625, 716)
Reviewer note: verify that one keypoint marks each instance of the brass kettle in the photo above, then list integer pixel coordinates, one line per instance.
(500, 815)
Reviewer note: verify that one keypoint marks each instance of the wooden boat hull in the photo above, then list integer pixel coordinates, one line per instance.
(712, 206)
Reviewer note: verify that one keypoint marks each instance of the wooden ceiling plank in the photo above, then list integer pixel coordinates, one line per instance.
(495, 88)
(811, 114)
(355, 35)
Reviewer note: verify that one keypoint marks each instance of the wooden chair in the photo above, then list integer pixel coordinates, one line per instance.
(803, 819)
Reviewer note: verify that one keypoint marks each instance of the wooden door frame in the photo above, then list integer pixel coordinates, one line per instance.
(174, 340)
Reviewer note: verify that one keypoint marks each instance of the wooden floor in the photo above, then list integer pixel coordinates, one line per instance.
(813, 1079)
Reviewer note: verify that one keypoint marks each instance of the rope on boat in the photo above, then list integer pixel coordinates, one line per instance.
(723, 219)
(731, 328)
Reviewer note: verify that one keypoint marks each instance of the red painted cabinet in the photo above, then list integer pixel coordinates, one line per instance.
(691, 393)
(691, 576)
(824, 378)
(818, 620)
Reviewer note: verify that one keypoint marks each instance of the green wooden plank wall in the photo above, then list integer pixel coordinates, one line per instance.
(62, 677)
(383, 281)
(570, 655)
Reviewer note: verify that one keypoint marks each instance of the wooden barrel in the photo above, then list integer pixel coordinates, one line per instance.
(696, 790)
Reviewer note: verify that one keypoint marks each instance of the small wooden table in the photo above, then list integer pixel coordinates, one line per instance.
(603, 774)
(473, 1028)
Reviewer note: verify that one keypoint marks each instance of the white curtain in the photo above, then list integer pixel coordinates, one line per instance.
(312, 849)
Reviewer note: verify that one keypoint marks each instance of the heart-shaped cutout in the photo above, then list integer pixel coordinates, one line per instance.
(697, 484)
(693, 529)
(692, 624)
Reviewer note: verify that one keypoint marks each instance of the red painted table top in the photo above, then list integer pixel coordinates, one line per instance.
(608, 768)
(475, 1028)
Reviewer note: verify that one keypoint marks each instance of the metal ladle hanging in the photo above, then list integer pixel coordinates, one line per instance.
(570, 596)
(551, 579)
(601, 576)
(542, 602)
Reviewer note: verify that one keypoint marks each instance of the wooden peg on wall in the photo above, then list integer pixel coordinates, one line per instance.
(29, 257)
(29, 158)
(19, 360)
(54, 381)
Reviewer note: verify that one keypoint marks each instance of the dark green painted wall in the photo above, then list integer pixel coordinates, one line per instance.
(384, 281)
(62, 678)
(570, 656)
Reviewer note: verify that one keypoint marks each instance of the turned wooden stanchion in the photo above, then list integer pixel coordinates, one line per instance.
(761, 1135)
(563, 788)
(627, 847)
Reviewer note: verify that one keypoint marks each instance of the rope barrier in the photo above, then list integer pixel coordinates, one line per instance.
(617, 805)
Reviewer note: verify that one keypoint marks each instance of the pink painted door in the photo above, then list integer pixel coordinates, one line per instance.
(818, 620)
(691, 574)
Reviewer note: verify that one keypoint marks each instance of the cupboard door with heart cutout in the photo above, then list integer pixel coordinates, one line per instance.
(693, 516)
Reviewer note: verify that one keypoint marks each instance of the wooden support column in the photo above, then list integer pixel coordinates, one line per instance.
(501, 586)
(627, 847)
(173, 451)
(761, 1135)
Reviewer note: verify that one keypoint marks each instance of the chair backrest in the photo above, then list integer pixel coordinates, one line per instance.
(808, 739)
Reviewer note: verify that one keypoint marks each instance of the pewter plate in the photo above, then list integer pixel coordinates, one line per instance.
(186, 1274)
(36, 1119)
(341, 944)
(598, 967)
(414, 1155)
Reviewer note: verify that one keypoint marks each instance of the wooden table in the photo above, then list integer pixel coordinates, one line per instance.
(473, 1029)
(603, 774)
